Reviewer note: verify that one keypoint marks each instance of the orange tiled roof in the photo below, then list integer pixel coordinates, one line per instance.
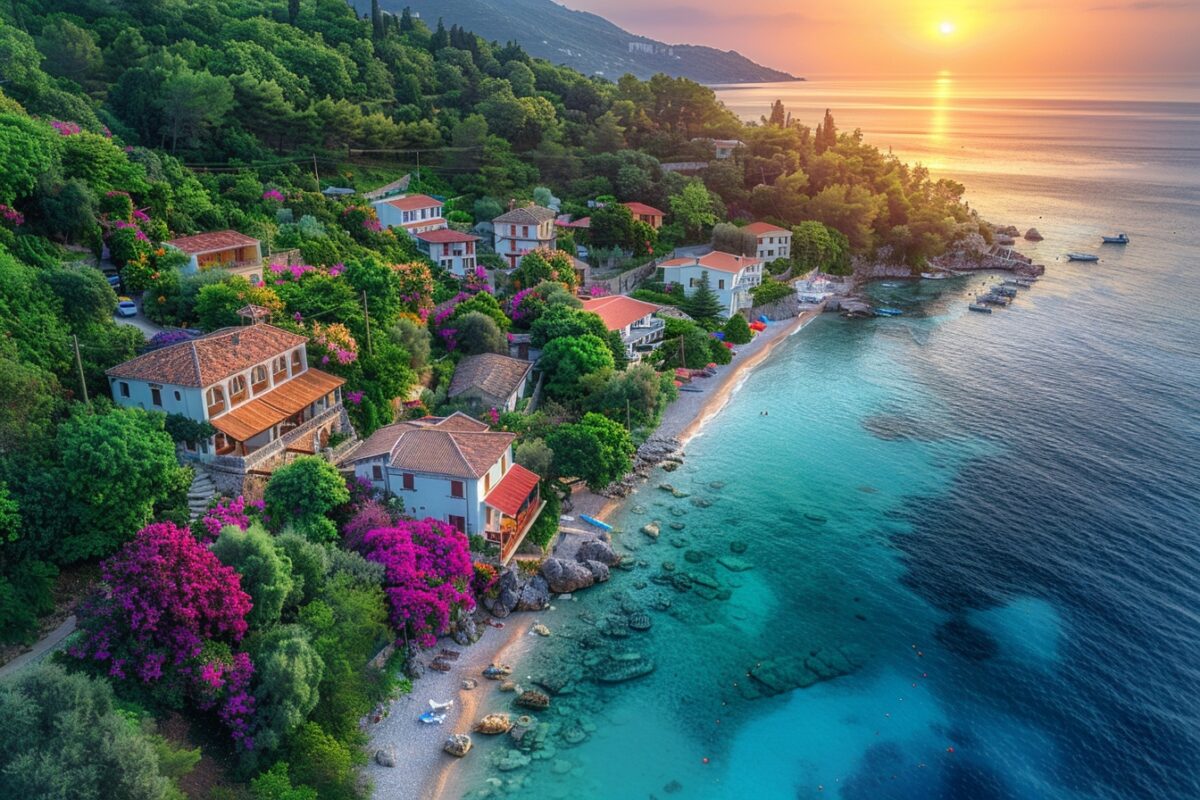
(412, 202)
(457, 445)
(716, 260)
(212, 242)
(529, 215)
(618, 310)
(511, 491)
(764, 228)
(445, 235)
(208, 359)
(275, 406)
(642, 208)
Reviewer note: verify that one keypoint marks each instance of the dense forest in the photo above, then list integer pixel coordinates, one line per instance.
(124, 123)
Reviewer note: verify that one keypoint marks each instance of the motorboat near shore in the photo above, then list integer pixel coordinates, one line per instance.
(1082, 257)
(980, 307)
(1120, 238)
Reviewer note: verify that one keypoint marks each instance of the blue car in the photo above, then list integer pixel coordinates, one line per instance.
(126, 307)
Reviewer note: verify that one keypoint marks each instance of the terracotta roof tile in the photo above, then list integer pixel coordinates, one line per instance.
(512, 490)
(457, 445)
(642, 208)
(495, 375)
(529, 215)
(412, 202)
(764, 228)
(445, 235)
(618, 310)
(208, 359)
(716, 260)
(276, 405)
(211, 242)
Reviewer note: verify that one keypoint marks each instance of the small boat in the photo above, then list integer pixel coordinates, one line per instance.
(1019, 283)
(1005, 291)
(992, 299)
(935, 276)
(440, 708)
(430, 718)
(888, 312)
(1082, 257)
(1120, 238)
(982, 309)
(604, 526)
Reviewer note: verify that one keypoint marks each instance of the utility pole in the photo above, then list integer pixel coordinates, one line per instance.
(418, 169)
(316, 173)
(628, 426)
(367, 320)
(79, 366)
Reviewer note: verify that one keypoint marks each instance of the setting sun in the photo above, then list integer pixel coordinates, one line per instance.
(946, 28)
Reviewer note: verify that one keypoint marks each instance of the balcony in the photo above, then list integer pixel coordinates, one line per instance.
(296, 439)
(513, 530)
(517, 498)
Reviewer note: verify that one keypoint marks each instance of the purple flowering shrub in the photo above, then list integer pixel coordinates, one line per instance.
(369, 516)
(427, 575)
(236, 511)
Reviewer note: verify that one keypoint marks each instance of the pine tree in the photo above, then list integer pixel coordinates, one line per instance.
(819, 139)
(829, 130)
(406, 20)
(704, 305)
(441, 37)
(377, 27)
(778, 115)
(293, 11)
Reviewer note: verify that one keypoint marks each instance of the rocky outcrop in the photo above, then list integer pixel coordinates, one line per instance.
(599, 571)
(566, 576)
(533, 699)
(784, 673)
(1032, 235)
(535, 595)
(464, 631)
(597, 550)
(494, 724)
(516, 592)
(457, 744)
(386, 756)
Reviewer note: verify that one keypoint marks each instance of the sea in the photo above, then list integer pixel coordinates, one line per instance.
(944, 555)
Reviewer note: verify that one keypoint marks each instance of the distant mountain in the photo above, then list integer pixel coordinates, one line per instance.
(586, 42)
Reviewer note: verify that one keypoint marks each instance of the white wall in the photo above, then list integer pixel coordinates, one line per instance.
(190, 402)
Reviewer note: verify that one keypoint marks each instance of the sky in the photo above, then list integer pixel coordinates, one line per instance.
(1008, 37)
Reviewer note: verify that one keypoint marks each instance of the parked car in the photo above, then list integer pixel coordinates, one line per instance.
(114, 281)
(126, 307)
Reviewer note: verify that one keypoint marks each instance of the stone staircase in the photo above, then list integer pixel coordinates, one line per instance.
(201, 493)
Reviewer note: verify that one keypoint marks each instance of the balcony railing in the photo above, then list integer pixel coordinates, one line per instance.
(512, 530)
(270, 450)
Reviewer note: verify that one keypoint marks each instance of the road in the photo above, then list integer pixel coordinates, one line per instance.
(50, 642)
(140, 322)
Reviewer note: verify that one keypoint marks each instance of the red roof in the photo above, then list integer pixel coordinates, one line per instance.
(716, 260)
(412, 202)
(446, 236)
(618, 310)
(643, 209)
(512, 490)
(212, 242)
(204, 361)
(764, 228)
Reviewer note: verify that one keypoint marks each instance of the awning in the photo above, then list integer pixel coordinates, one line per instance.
(288, 398)
(513, 490)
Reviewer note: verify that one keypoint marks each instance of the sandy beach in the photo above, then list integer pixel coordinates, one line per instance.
(423, 771)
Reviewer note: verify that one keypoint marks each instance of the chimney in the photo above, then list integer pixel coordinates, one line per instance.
(237, 337)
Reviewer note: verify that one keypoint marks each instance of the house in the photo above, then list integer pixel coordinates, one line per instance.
(635, 320)
(773, 241)
(725, 148)
(450, 249)
(228, 250)
(456, 470)
(647, 214)
(524, 229)
(490, 380)
(414, 213)
(252, 384)
(731, 277)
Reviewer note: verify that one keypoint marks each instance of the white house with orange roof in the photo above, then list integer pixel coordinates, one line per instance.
(773, 241)
(640, 330)
(228, 250)
(523, 230)
(450, 249)
(730, 276)
(457, 470)
(252, 384)
(414, 213)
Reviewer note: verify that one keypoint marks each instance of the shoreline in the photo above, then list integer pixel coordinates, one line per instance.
(682, 420)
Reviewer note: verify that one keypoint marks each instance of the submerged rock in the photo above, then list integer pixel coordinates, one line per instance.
(678, 526)
(651, 529)
(737, 546)
(540, 630)
(639, 621)
(597, 550)
(784, 673)
(624, 667)
(599, 571)
(701, 502)
(513, 759)
(1032, 235)
(734, 564)
(494, 724)
(457, 744)
(533, 699)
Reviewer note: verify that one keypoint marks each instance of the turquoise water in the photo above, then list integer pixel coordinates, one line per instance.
(984, 528)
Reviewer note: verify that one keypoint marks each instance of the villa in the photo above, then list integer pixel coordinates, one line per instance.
(635, 320)
(252, 384)
(640, 211)
(413, 213)
(456, 470)
(228, 250)
(522, 230)
(490, 380)
(730, 277)
(450, 249)
(773, 241)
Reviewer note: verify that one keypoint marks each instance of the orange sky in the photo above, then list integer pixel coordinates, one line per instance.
(873, 36)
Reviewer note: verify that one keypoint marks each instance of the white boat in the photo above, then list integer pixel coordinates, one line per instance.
(1082, 257)
(1120, 238)
(935, 276)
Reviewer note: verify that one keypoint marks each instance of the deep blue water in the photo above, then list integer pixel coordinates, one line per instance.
(1001, 531)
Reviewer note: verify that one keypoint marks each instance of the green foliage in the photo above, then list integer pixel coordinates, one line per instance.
(817, 246)
(28, 150)
(612, 226)
(322, 762)
(61, 736)
(303, 492)
(731, 239)
(693, 208)
(415, 339)
(274, 784)
(635, 397)
(563, 321)
(310, 564)
(737, 330)
(685, 344)
(266, 571)
(703, 305)
(535, 455)
(478, 333)
(185, 429)
(595, 449)
(288, 672)
(542, 532)
(565, 360)
(771, 290)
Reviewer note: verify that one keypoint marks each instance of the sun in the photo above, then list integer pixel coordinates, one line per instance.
(946, 28)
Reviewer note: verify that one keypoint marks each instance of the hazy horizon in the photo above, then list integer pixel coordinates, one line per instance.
(1017, 37)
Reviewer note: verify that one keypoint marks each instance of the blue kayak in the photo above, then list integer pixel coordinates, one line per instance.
(604, 526)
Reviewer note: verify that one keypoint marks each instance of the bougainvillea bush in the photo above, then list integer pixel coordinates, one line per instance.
(165, 605)
(428, 573)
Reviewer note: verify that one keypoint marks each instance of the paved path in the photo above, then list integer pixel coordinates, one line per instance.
(48, 644)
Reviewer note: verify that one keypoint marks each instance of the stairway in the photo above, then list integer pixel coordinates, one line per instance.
(200, 494)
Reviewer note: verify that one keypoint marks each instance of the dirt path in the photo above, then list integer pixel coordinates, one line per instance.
(48, 644)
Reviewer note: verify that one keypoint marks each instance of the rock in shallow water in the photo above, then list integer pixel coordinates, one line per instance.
(734, 564)
(533, 699)
(597, 551)
(566, 576)
(651, 529)
(457, 744)
(494, 724)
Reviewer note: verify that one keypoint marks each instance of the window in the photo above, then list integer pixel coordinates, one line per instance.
(504, 463)
(280, 368)
(215, 397)
(124, 389)
(408, 482)
(258, 378)
(524, 231)
(178, 397)
(487, 483)
(377, 472)
(458, 523)
(156, 395)
(456, 489)
(237, 389)
(297, 361)
(721, 283)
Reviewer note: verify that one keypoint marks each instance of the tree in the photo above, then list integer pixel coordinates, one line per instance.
(478, 333)
(85, 295)
(535, 455)
(63, 737)
(71, 52)
(612, 227)
(817, 246)
(826, 133)
(693, 208)
(266, 572)
(729, 238)
(193, 102)
(217, 304)
(737, 330)
(595, 449)
(560, 321)
(28, 150)
(69, 211)
(288, 673)
(778, 115)
(703, 305)
(322, 762)
(565, 360)
(685, 344)
(274, 784)
(294, 12)
(416, 341)
(116, 469)
(771, 290)
(302, 493)
(635, 397)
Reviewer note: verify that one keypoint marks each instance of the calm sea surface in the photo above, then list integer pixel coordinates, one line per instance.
(991, 521)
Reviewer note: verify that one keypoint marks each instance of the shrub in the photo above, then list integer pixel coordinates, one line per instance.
(266, 572)
(737, 330)
(302, 493)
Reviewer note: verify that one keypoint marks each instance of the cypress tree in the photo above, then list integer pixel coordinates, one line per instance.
(377, 25)
(704, 306)
(406, 20)
(293, 11)
(829, 130)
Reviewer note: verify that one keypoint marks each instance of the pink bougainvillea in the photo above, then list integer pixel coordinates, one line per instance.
(274, 195)
(370, 515)
(65, 128)
(225, 513)
(427, 577)
(11, 215)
